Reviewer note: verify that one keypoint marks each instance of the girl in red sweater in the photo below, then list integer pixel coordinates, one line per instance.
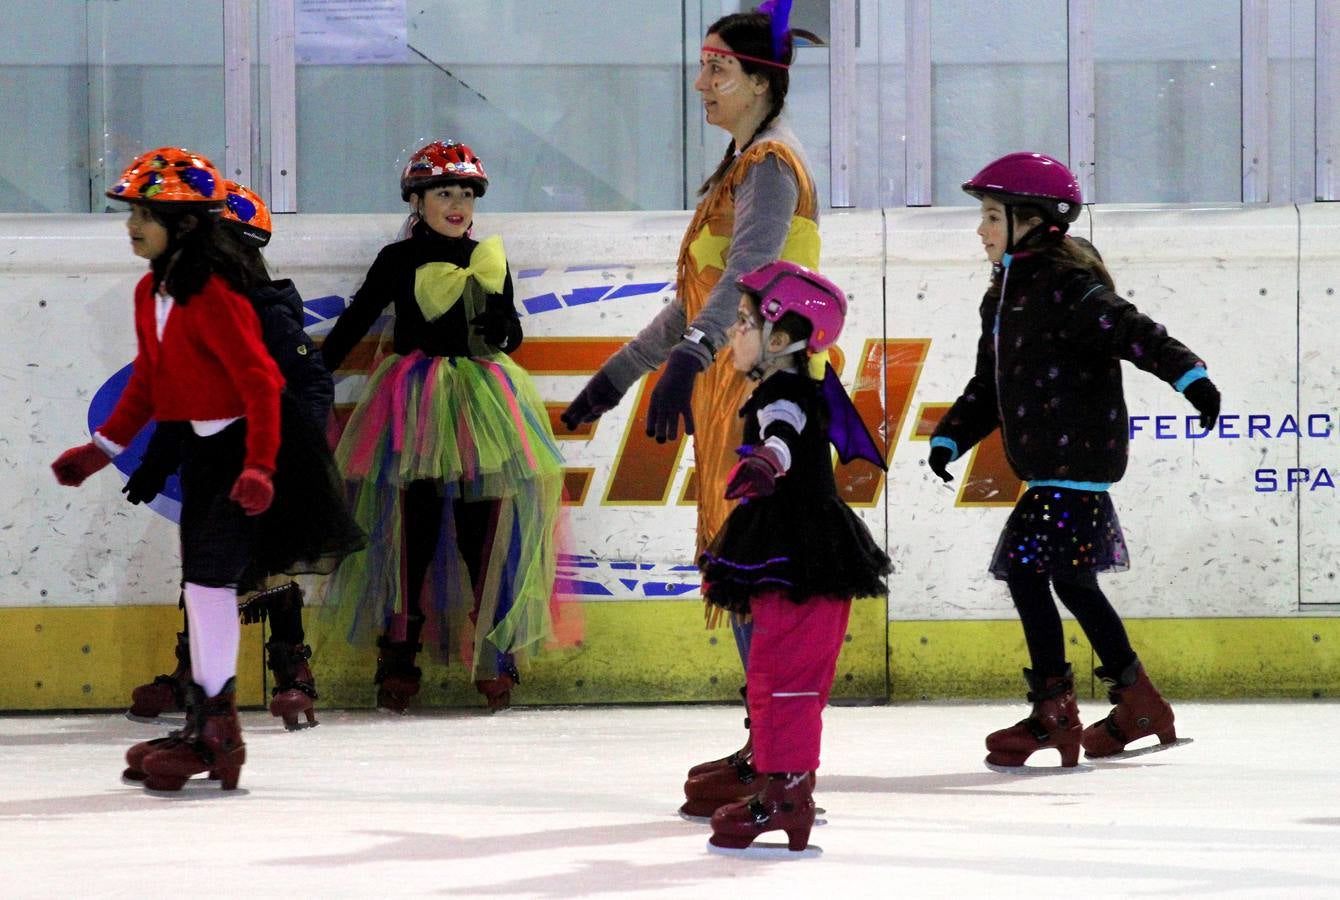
(201, 363)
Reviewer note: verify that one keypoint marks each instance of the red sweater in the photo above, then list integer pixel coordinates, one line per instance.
(210, 364)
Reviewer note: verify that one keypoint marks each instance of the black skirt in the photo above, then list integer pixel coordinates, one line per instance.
(308, 528)
(1056, 530)
(807, 550)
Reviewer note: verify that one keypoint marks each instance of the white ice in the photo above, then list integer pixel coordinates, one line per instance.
(581, 803)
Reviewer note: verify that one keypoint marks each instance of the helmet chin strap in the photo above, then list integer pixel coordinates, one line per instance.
(766, 357)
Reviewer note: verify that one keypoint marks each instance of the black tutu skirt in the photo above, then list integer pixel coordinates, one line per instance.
(308, 529)
(1061, 530)
(806, 549)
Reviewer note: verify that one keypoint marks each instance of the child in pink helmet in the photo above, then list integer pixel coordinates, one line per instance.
(1054, 334)
(791, 554)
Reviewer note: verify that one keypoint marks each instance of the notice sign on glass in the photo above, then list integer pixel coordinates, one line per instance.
(350, 32)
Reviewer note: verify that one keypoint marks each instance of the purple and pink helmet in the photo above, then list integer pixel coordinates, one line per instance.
(1030, 178)
(783, 287)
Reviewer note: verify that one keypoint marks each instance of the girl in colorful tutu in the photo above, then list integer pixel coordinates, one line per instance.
(792, 555)
(454, 471)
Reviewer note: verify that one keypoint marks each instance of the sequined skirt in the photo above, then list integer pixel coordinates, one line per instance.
(1057, 530)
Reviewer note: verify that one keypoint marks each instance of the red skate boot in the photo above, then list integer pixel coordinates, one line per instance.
(1054, 723)
(704, 794)
(745, 753)
(295, 688)
(1139, 712)
(166, 693)
(785, 804)
(134, 772)
(397, 677)
(212, 743)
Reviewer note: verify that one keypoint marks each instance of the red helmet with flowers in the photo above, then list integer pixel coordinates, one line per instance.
(170, 175)
(246, 214)
(443, 162)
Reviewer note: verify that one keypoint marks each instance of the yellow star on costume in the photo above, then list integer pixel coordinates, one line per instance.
(708, 249)
(438, 285)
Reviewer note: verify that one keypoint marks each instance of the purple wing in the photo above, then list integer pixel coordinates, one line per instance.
(846, 430)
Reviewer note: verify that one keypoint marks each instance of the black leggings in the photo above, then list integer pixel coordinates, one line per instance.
(1042, 621)
(422, 526)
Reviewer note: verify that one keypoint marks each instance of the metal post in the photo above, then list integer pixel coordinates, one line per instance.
(1080, 87)
(1328, 99)
(918, 24)
(237, 111)
(1255, 102)
(841, 100)
(283, 187)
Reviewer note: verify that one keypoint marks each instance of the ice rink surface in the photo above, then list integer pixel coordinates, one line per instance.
(580, 802)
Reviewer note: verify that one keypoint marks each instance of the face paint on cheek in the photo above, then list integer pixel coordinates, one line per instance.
(726, 87)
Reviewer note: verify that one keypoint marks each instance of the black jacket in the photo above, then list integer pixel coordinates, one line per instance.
(1049, 372)
(279, 308)
(391, 280)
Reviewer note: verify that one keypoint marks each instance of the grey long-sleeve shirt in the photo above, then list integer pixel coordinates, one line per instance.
(765, 203)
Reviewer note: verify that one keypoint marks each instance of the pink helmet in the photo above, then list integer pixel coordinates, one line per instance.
(783, 287)
(1030, 178)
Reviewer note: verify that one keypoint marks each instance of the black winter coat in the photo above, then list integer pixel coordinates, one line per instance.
(279, 308)
(1049, 372)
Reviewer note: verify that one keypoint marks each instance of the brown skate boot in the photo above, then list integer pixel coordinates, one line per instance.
(213, 744)
(166, 693)
(295, 687)
(1054, 723)
(785, 804)
(397, 677)
(1139, 712)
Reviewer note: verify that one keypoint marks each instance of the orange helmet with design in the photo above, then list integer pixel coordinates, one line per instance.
(442, 162)
(246, 214)
(170, 175)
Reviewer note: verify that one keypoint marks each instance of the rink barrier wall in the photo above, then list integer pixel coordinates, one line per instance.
(1232, 587)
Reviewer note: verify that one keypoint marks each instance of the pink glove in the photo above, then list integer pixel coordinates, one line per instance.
(755, 475)
(77, 463)
(253, 490)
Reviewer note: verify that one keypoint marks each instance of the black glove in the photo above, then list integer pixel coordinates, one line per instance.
(673, 396)
(940, 457)
(494, 327)
(597, 398)
(1203, 395)
(160, 460)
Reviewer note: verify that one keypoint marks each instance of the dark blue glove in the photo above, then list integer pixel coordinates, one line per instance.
(160, 460)
(939, 460)
(673, 396)
(1203, 395)
(597, 398)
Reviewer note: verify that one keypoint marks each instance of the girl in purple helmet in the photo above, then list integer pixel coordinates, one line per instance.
(1054, 333)
(791, 554)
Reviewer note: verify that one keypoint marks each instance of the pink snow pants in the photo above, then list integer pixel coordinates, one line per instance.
(792, 659)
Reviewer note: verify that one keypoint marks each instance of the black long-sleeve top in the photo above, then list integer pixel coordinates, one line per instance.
(391, 280)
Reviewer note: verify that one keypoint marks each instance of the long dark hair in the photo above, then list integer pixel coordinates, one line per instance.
(1050, 241)
(751, 34)
(199, 249)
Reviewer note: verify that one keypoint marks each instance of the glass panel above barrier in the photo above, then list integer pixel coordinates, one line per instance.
(998, 84)
(1168, 101)
(570, 105)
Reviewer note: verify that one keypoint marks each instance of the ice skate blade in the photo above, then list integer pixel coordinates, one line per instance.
(1037, 770)
(759, 850)
(1140, 751)
(195, 788)
(300, 726)
(164, 721)
(707, 820)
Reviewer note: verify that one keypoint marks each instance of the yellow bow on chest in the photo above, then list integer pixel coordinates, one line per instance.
(438, 285)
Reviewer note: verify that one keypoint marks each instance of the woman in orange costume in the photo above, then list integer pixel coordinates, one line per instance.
(758, 206)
